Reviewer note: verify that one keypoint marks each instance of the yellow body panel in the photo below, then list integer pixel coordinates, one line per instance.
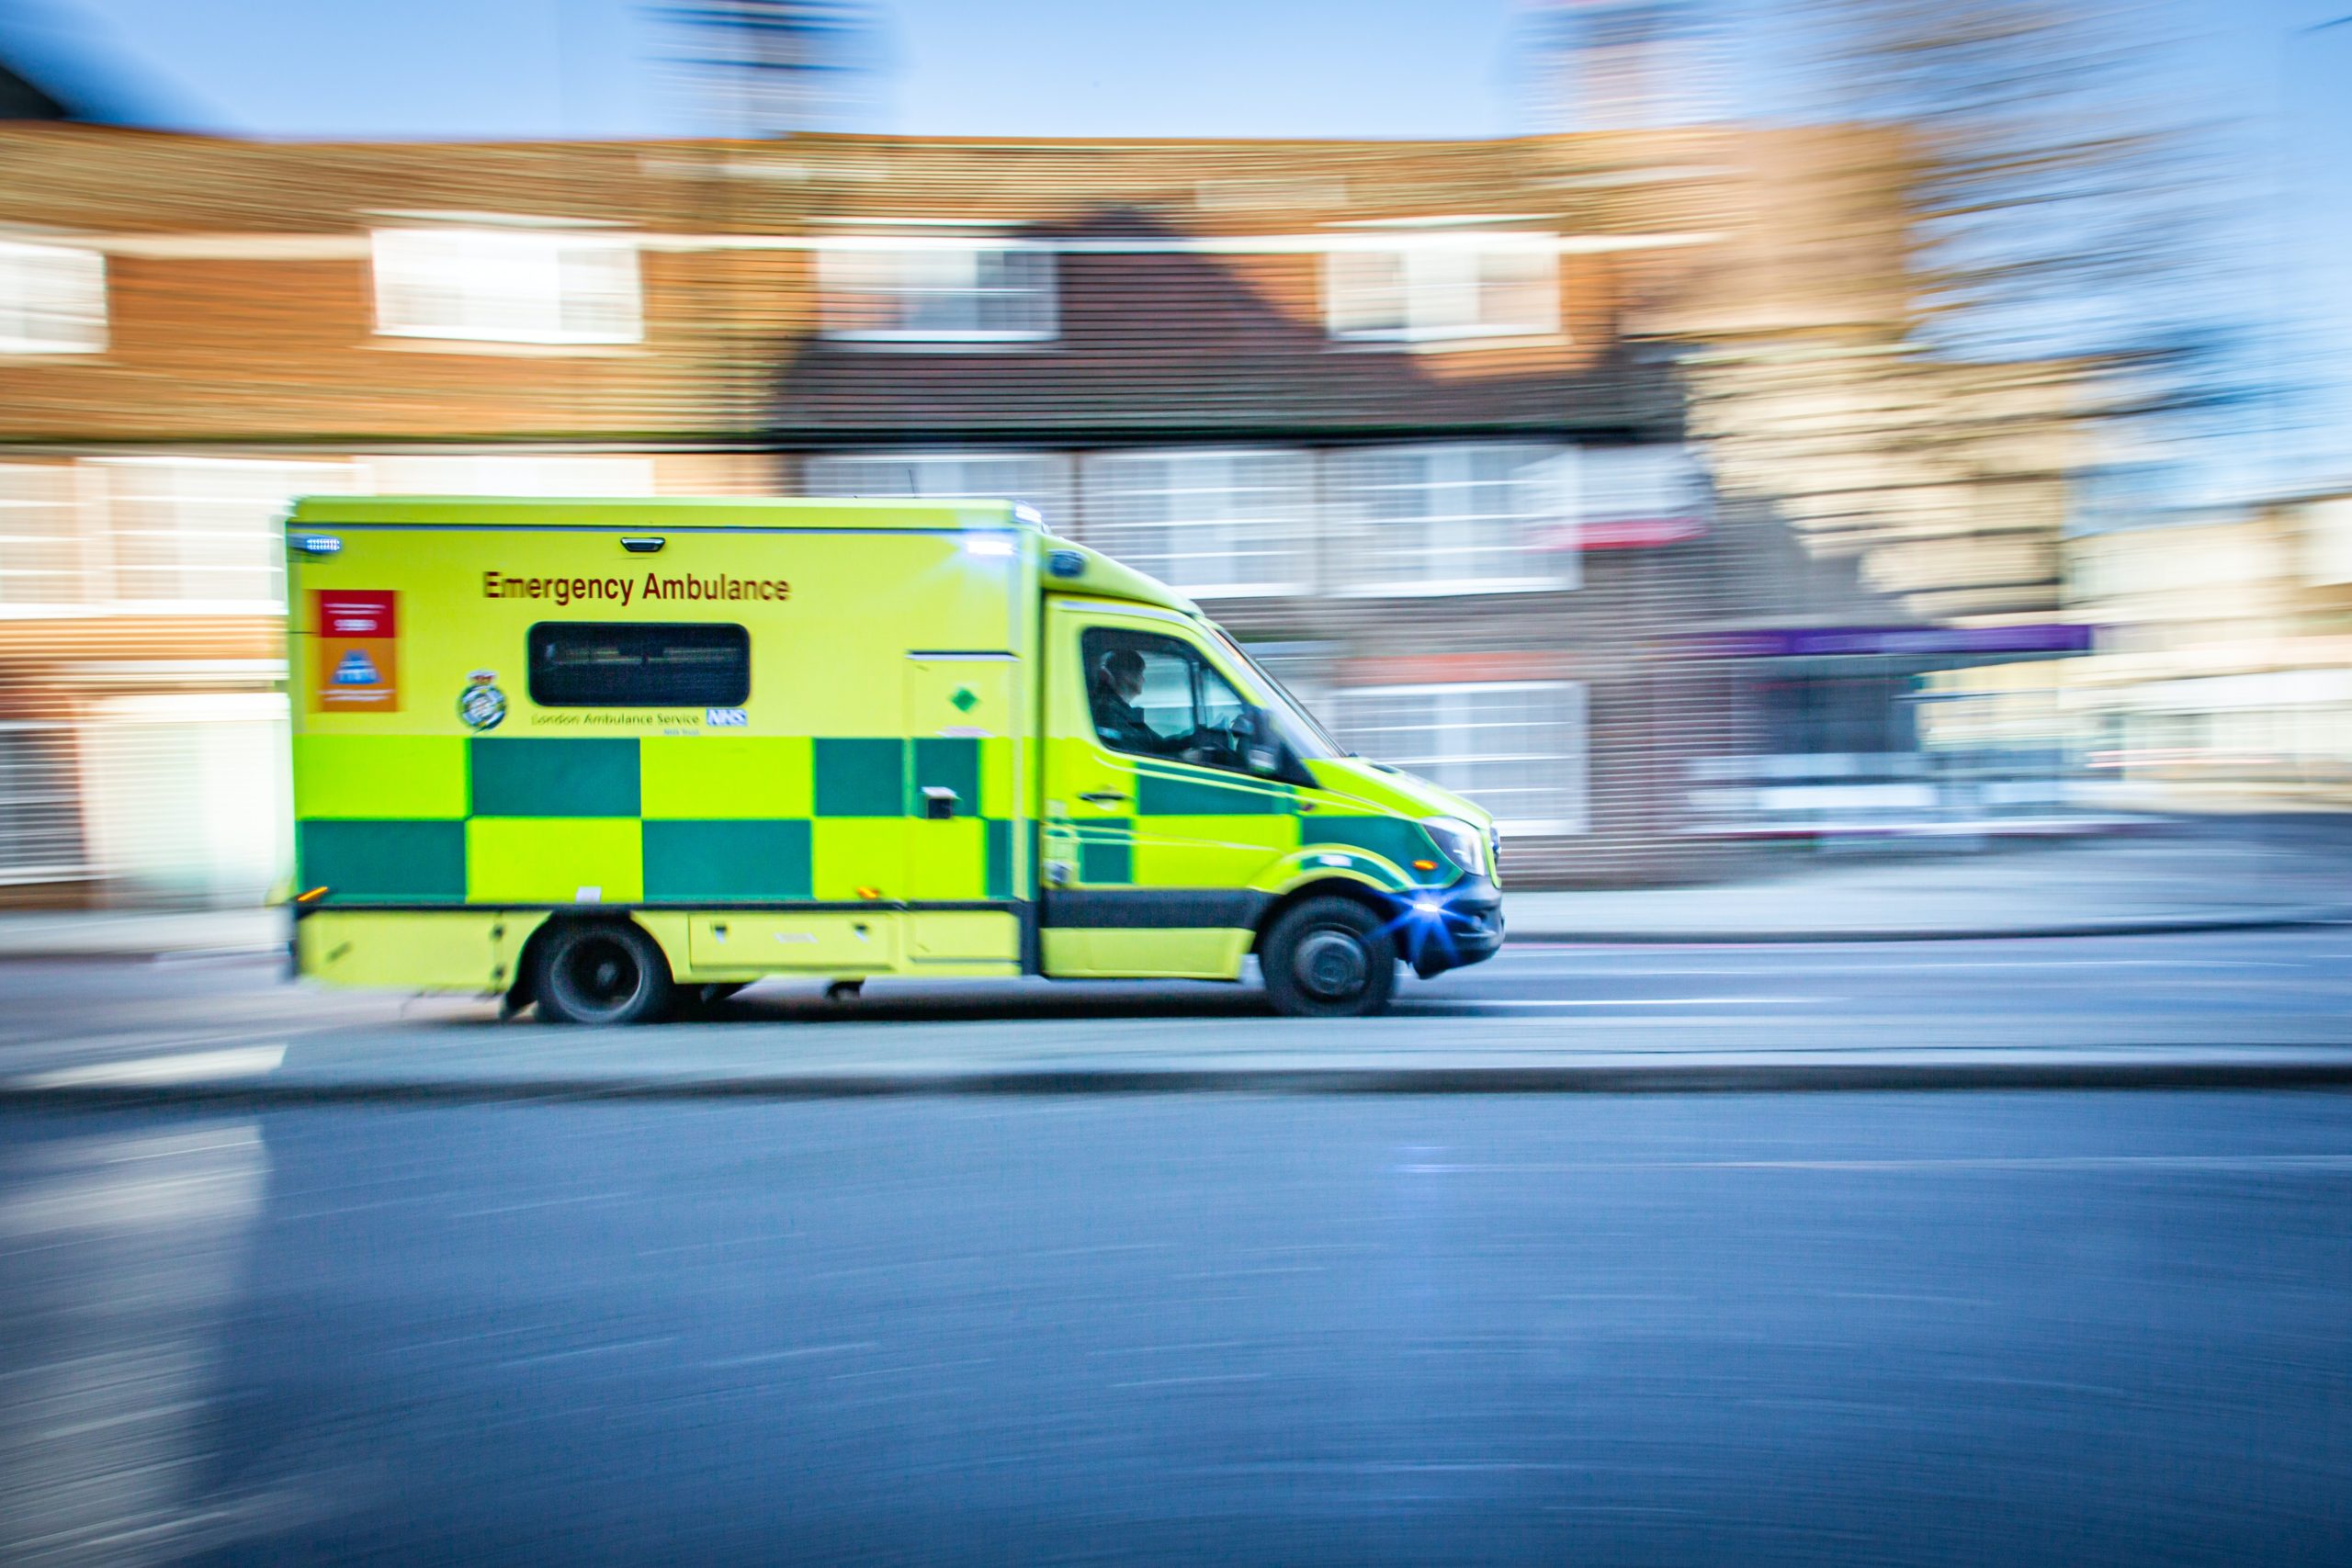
(461, 951)
(554, 859)
(1179, 953)
(955, 936)
(846, 943)
(356, 775)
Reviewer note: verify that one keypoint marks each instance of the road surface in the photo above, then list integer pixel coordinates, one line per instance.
(2037, 1328)
(2014, 1328)
(2206, 995)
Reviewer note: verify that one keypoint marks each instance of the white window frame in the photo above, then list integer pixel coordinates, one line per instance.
(918, 474)
(1433, 275)
(52, 298)
(1354, 527)
(1666, 478)
(856, 269)
(1098, 488)
(309, 477)
(1457, 753)
(29, 491)
(405, 261)
(61, 800)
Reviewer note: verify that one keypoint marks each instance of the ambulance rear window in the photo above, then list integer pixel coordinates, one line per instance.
(629, 664)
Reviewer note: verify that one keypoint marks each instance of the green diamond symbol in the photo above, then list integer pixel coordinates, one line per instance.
(965, 699)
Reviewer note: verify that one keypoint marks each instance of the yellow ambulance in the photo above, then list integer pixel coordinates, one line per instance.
(611, 757)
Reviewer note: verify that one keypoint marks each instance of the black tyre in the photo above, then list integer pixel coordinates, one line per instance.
(1330, 958)
(604, 973)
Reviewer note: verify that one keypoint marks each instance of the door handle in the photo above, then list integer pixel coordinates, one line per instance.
(1103, 797)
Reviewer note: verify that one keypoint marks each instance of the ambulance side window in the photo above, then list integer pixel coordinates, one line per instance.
(634, 664)
(1154, 696)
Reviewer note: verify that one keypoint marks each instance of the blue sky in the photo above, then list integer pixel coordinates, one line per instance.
(504, 68)
(500, 68)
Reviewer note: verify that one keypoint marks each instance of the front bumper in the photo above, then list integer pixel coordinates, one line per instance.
(1447, 928)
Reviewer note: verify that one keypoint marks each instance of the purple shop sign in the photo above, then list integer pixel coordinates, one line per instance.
(1827, 642)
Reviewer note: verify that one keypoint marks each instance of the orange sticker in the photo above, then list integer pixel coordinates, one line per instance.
(355, 651)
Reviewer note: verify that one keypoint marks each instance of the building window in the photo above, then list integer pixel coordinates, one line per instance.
(618, 664)
(938, 293)
(1040, 479)
(187, 797)
(507, 285)
(40, 811)
(1639, 495)
(1474, 518)
(52, 298)
(205, 533)
(41, 536)
(1515, 746)
(1436, 291)
(1213, 525)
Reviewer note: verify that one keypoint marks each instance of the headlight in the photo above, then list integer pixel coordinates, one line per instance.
(1458, 839)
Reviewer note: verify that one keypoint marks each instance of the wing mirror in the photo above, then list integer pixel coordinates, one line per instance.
(1267, 756)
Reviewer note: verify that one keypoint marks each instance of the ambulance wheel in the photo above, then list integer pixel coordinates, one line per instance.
(602, 972)
(1330, 958)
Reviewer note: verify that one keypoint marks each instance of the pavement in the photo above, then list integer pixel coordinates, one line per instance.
(2073, 1329)
(2182, 1010)
(2243, 874)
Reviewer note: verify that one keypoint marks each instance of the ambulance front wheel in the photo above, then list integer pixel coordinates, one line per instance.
(1330, 958)
(602, 972)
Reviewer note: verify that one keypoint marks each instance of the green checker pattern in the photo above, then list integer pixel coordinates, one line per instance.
(532, 820)
(694, 819)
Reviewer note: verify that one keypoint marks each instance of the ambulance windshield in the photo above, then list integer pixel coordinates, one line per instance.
(1299, 730)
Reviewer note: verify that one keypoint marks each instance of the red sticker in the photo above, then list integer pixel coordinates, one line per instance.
(355, 648)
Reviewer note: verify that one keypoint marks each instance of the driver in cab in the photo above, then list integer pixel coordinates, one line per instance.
(1117, 683)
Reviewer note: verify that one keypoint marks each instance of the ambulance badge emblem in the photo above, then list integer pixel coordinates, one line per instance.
(481, 705)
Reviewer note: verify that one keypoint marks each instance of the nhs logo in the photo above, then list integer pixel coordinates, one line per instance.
(724, 719)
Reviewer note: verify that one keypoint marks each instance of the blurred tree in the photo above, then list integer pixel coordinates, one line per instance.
(2065, 201)
(774, 67)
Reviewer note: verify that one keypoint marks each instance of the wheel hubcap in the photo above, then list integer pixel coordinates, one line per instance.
(1332, 965)
(604, 976)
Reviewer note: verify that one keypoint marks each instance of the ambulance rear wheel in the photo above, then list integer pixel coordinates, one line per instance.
(1330, 958)
(602, 972)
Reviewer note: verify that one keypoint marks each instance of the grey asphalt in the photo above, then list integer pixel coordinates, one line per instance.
(2054, 1328)
(2148, 875)
(2190, 1009)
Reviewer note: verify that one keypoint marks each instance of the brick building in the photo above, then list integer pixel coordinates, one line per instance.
(1410, 417)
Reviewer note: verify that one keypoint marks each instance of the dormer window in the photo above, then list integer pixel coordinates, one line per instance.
(937, 291)
(1435, 287)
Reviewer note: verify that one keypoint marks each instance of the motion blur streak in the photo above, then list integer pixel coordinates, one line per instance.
(127, 1254)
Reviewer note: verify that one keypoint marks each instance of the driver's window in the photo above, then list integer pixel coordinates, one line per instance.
(1153, 696)
(1166, 699)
